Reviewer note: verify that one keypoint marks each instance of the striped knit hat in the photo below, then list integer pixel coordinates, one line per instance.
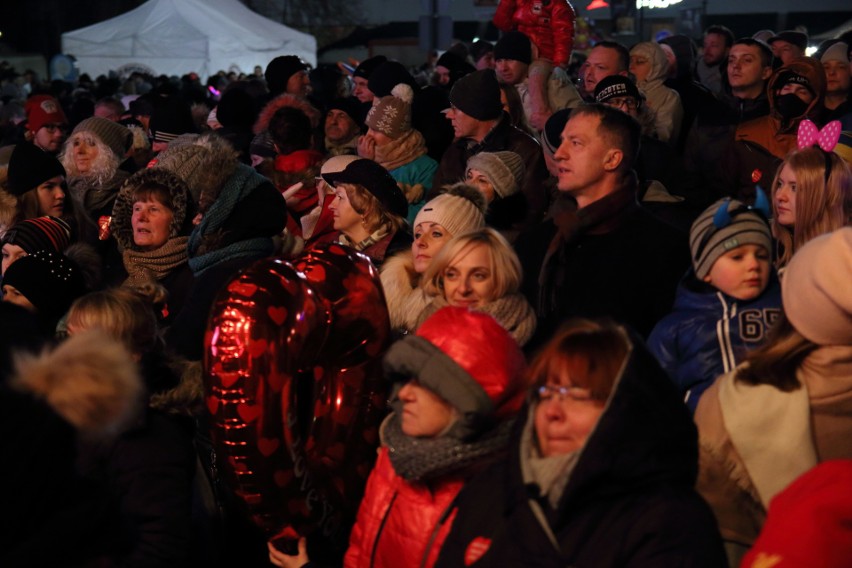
(726, 225)
(41, 233)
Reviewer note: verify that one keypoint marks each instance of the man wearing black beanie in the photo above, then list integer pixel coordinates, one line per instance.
(543, 88)
(481, 125)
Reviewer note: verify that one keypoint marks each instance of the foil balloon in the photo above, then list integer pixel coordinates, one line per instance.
(350, 394)
(294, 389)
(249, 374)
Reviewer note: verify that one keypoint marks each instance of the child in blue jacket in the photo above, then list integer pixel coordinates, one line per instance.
(726, 303)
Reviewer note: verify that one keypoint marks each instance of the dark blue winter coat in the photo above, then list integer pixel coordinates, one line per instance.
(708, 333)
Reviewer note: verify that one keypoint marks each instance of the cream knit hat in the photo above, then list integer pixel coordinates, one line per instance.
(459, 210)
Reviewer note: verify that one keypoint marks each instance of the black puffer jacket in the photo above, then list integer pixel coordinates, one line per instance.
(628, 502)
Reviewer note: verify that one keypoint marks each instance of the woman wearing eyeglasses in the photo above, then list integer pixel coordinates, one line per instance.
(600, 471)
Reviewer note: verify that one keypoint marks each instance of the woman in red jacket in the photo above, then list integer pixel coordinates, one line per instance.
(458, 386)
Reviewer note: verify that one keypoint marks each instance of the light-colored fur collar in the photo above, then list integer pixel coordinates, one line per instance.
(405, 298)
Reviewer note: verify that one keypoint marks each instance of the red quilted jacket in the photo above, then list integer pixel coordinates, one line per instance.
(398, 522)
(548, 23)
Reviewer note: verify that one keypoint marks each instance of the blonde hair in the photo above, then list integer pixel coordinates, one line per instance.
(120, 312)
(372, 211)
(103, 166)
(821, 207)
(505, 266)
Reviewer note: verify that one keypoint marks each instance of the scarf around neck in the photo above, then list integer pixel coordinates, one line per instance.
(380, 233)
(599, 217)
(401, 151)
(513, 312)
(143, 266)
(425, 459)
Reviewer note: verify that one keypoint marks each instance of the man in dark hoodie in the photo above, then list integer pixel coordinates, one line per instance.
(711, 136)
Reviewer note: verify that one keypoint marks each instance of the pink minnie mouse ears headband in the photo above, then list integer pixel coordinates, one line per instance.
(809, 135)
(826, 139)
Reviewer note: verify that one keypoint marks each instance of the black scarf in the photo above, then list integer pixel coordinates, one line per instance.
(599, 217)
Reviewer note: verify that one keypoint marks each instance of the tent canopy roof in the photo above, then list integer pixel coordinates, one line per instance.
(175, 37)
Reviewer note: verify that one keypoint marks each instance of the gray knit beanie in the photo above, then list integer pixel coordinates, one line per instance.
(504, 170)
(459, 210)
(391, 115)
(117, 137)
(204, 167)
(725, 225)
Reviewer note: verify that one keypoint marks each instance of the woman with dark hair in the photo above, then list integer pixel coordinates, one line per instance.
(36, 187)
(369, 210)
(600, 472)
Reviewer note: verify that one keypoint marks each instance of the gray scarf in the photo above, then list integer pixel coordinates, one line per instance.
(424, 459)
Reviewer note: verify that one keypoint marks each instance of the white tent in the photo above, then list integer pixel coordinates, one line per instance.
(175, 37)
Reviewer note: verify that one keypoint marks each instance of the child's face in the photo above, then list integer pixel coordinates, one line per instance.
(741, 273)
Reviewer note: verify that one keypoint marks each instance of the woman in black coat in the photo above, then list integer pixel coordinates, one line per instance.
(601, 470)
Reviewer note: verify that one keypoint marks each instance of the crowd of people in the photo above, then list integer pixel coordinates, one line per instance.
(618, 281)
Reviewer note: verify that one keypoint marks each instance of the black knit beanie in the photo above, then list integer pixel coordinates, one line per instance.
(387, 76)
(50, 281)
(29, 167)
(366, 67)
(279, 71)
(514, 45)
(352, 107)
(478, 95)
(551, 136)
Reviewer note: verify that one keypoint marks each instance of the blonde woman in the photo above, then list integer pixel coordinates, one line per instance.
(458, 210)
(480, 271)
(369, 210)
(811, 196)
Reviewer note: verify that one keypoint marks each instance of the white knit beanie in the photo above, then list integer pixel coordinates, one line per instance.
(504, 170)
(459, 210)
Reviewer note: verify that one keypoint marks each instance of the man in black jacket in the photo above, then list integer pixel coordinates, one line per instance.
(480, 125)
(604, 256)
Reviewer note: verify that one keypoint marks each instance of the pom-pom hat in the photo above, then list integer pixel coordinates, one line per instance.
(459, 210)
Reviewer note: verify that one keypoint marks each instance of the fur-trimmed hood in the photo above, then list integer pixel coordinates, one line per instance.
(183, 209)
(286, 100)
(90, 380)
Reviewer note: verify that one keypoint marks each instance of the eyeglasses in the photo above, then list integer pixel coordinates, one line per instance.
(53, 127)
(562, 392)
(628, 103)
